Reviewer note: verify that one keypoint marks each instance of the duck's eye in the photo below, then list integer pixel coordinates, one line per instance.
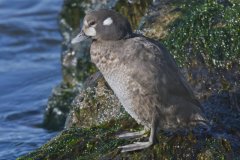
(92, 23)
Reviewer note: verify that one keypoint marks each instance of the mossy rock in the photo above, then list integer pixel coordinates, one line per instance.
(95, 104)
(203, 38)
(100, 142)
(208, 28)
(189, 28)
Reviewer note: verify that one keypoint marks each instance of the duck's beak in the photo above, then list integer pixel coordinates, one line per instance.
(80, 37)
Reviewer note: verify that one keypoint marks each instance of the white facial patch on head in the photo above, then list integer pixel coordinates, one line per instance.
(107, 21)
(85, 23)
(91, 31)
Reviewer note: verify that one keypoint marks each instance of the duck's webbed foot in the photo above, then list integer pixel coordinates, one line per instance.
(129, 135)
(142, 145)
(135, 146)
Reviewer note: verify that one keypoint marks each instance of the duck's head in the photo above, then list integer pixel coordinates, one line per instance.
(104, 25)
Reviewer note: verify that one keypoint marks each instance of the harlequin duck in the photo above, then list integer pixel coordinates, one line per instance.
(142, 74)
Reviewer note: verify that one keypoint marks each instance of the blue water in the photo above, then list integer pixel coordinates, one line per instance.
(30, 46)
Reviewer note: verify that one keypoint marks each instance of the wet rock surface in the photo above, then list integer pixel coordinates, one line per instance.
(201, 35)
(59, 105)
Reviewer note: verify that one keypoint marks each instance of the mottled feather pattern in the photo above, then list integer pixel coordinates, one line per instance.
(139, 73)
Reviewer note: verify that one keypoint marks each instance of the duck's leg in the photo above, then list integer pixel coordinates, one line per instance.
(142, 145)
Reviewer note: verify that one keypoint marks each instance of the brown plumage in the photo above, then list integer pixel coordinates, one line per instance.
(142, 74)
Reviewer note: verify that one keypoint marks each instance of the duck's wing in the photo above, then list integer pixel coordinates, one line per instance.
(155, 70)
(161, 85)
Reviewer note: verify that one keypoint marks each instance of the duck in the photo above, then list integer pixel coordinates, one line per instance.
(143, 75)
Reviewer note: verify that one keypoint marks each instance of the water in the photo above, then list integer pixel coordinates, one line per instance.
(29, 69)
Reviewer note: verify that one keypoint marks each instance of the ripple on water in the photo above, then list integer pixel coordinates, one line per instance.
(29, 68)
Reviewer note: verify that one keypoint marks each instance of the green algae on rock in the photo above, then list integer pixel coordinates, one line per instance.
(208, 28)
(205, 41)
(203, 38)
(100, 142)
(82, 143)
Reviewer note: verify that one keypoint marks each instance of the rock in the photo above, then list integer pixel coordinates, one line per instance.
(94, 105)
(203, 45)
(159, 17)
(133, 11)
(223, 113)
(59, 104)
(100, 142)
